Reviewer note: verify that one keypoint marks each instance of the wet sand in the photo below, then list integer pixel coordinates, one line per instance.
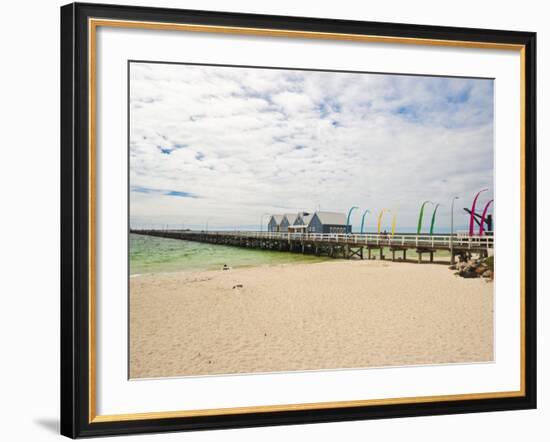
(330, 315)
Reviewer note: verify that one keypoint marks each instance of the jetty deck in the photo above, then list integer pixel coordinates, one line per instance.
(339, 245)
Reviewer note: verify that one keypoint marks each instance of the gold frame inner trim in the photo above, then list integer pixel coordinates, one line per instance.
(299, 34)
(93, 24)
(306, 406)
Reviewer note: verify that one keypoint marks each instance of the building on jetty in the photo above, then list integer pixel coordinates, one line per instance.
(328, 222)
(274, 224)
(289, 219)
(302, 223)
(305, 222)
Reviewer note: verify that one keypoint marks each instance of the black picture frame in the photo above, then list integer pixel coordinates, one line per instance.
(75, 220)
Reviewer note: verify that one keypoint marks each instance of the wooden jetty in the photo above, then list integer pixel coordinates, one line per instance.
(339, 245)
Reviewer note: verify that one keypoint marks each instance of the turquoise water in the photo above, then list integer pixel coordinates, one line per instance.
(149, 254)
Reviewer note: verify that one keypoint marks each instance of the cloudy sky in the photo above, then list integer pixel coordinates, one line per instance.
(224, 145)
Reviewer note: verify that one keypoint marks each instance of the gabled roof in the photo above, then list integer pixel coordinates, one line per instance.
(306, 218)
(332, 218)
(277, 218)
(291, 217)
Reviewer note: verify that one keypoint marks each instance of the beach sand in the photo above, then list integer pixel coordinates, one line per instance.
(329, 315)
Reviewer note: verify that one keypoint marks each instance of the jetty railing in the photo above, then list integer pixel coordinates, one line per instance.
(366, 239)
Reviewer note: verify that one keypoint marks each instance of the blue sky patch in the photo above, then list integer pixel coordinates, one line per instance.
(181, 194)
(408, 112)
(141, 189)
(328, 106)
(461, 97)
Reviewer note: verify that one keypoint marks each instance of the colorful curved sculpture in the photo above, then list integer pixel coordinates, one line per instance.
(473, 211)
(363, 219)
(483, 215)
(432, 224)
(419, 228)
(349, 216)
(380, 218)
(393, 223)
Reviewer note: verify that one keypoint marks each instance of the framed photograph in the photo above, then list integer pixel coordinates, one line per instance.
(274, 220)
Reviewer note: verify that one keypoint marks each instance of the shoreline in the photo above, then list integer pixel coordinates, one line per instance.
(156, 255)
(440, 258)
(242, 267)
(334, 314)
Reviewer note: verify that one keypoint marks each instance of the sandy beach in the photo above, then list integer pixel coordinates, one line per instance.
(329, 315)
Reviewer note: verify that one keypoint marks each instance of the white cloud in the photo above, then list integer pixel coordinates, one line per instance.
(246, 141)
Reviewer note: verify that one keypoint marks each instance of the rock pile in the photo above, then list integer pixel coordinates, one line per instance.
(475, 268)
